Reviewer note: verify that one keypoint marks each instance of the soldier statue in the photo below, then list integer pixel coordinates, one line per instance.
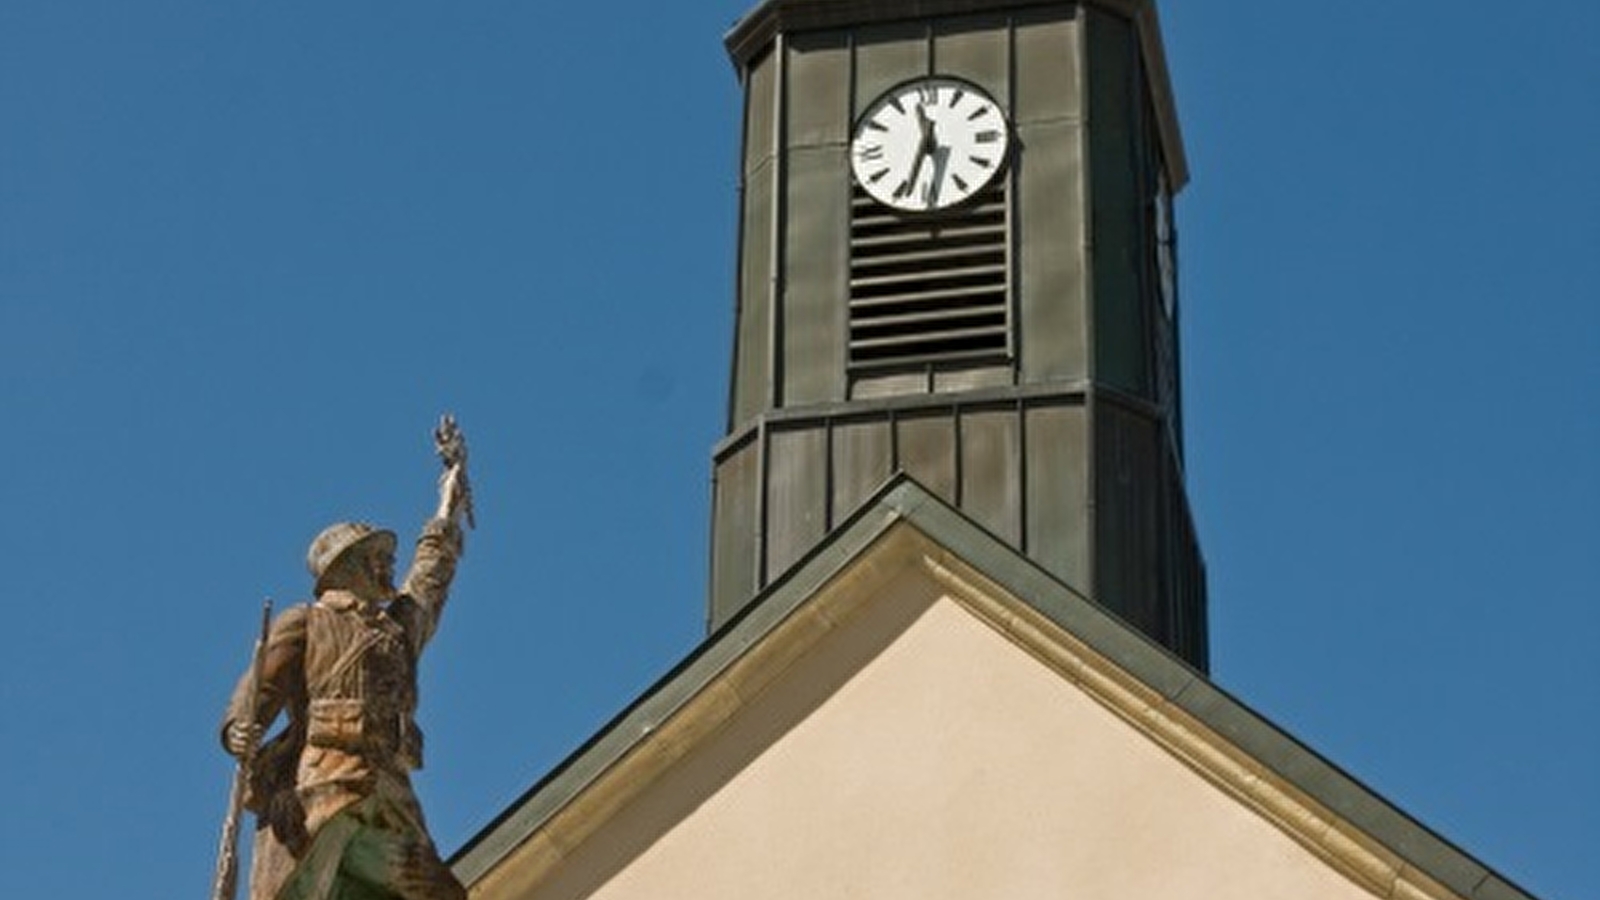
(336, 816)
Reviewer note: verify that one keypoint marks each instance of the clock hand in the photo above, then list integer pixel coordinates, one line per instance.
(910, 183)
(929, 142)
(926, 147)
(941, 160)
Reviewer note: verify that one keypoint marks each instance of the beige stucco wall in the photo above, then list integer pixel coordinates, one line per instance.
(916, 752)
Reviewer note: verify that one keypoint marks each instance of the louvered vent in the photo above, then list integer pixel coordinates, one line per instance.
(925, 289)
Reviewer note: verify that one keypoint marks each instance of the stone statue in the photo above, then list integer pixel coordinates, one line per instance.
(336, 816)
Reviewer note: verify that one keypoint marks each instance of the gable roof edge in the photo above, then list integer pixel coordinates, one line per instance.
(1391, 854)
(586, 765)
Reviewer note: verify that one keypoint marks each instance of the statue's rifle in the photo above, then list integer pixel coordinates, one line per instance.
(226, 884)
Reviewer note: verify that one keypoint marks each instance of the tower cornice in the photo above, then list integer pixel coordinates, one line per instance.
(754, 33)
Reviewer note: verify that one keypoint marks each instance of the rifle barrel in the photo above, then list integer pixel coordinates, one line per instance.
(225, 884)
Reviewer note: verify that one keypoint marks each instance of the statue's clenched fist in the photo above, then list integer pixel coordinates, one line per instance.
(242, 737)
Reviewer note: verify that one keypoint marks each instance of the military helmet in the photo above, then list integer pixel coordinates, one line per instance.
(340, 538)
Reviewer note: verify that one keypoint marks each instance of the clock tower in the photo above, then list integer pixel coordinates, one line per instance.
(958, 630)
(956, 260)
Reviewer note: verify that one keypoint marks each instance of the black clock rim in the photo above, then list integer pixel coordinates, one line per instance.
(999, 170)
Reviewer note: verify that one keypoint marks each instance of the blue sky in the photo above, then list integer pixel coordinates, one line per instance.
(249, 251)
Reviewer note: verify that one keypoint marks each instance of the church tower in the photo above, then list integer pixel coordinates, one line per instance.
(956, 260)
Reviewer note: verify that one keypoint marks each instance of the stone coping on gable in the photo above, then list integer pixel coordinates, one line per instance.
(1346, 823)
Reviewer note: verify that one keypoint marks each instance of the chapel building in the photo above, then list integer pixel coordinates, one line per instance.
(956, 640)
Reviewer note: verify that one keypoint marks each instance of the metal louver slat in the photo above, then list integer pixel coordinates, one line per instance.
(869, 222)
(930, 319)
(991, 200)
(978, 233)
(911, 340)
(920, 255)
(928, 274)
(928, 289)
(862, 307)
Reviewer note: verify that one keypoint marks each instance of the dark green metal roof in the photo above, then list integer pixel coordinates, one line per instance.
(902, 500)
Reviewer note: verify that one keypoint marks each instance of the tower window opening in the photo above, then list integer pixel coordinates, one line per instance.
(929, 289)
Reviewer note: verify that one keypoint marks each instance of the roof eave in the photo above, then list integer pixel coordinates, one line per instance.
(750, 37)
(1408, 849)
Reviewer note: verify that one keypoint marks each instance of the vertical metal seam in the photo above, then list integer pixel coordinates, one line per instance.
(1018, 346)
(742, 189)
(957, 450)
(739, 250)
(1169, 588)
(895, 464)
(1138, 91)
(1176, 412)
(711, 557)
(1024, 534)
(780, 195)
(828, 423)
(842, 308)
(1014, 342)
(763, 485)
(1091, 404)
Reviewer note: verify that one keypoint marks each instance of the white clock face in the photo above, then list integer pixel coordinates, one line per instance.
(929, 144)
